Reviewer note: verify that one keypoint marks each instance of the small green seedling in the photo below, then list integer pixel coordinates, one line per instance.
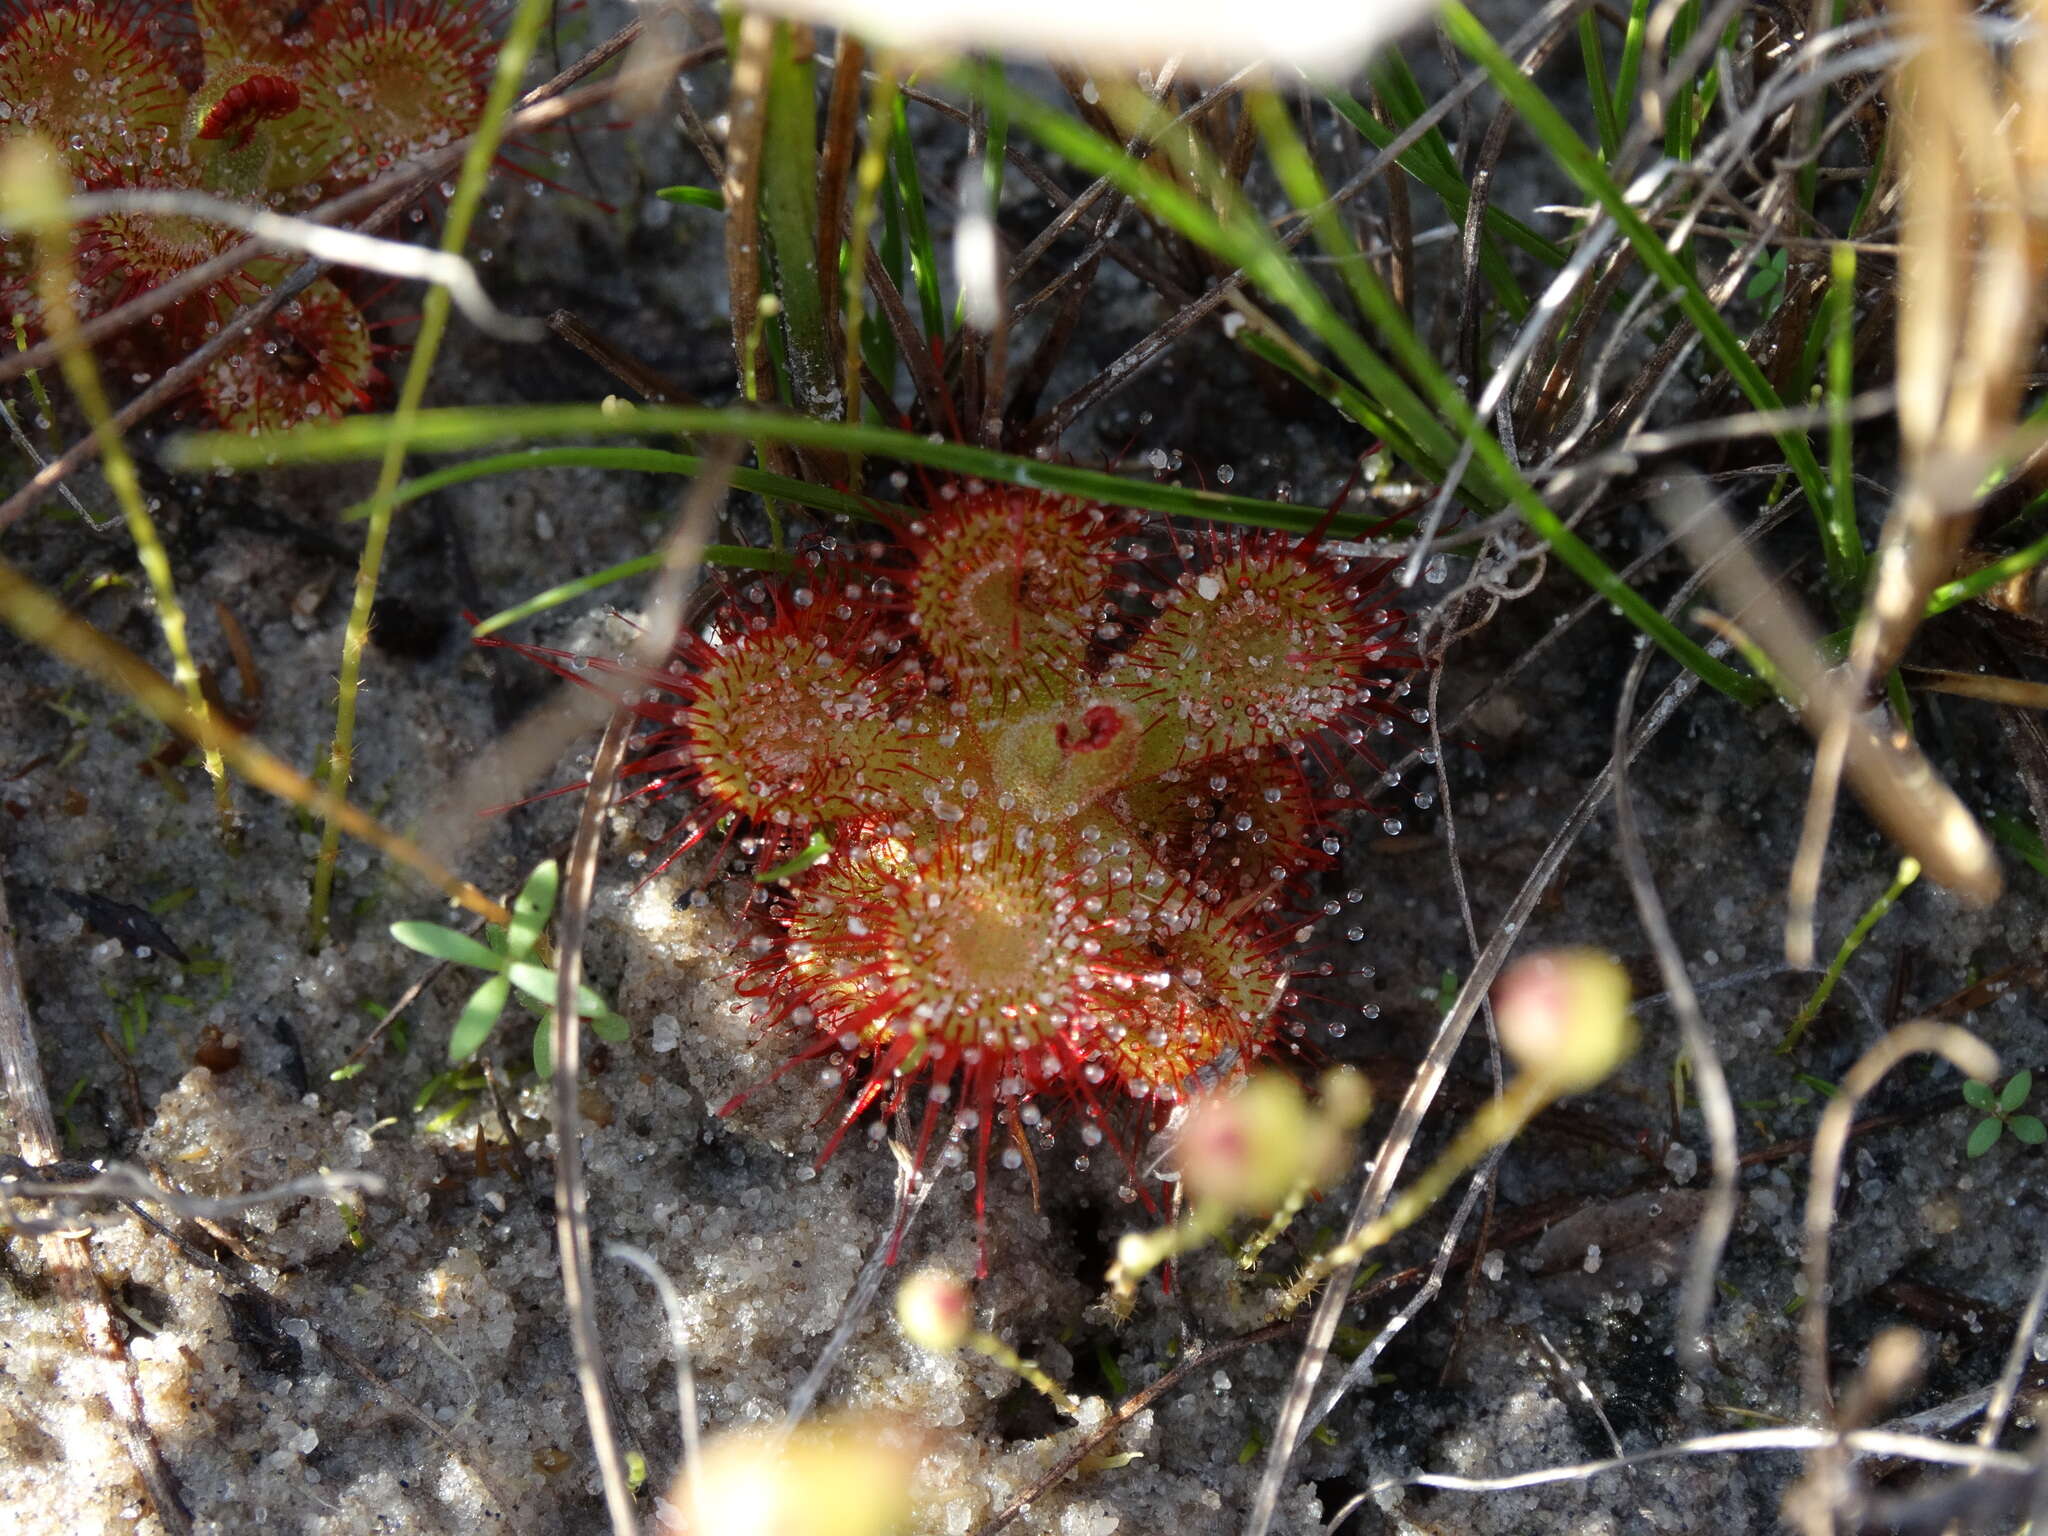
(2001, 1114)
(506, 955)
(1767, 283)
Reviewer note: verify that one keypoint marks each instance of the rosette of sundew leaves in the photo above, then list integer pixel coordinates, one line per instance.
(507, 952)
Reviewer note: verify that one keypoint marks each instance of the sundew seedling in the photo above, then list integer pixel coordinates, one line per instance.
(260, 102)
(1074, 795)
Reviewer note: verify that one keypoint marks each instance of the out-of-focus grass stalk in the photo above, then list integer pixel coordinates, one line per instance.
(869, 171)
(1842, 539)
(43, 621)
(789, 219)
(32, 189)
(520, 39)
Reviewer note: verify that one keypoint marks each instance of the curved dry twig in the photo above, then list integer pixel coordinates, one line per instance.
(124, 1182)
(572, 1205)
(1824, 1486)
(678, 1344)
(324, 243)
(572, 1213)
(1860, 1443)
(1717, 1104)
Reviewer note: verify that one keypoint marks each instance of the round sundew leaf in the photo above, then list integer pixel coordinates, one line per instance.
(446, 944)
(1257, 831)
(971, 942)
(1267, 645)
(2027, 1129)
(1977, 1095)
(783, 728)
(87, 81)
(1006, 585)
(2015, 1091)
(1983, 1138)
(313, 362)
(1194, 988)
(127, 252)
(398, 81)
(479, 1015)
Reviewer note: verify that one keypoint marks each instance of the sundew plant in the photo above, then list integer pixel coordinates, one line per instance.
(1326, 691)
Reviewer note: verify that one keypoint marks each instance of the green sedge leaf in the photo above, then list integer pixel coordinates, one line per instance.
(446, 944)
(818, 849)
(430, 1090)
(693, 197)
(450, 1115)
(479, 1014)
(540, 984)
(530, 909)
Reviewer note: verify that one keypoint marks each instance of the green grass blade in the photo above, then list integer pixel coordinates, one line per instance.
(693, 197)
(568, 591)
(1456, 198)
(1595, 56)
(1678, 117)
(877, 341)
(460, 428)
(1401, 95)
(1303, 185)
(655, 461)
(917, 234)
(789, 220)
(1632, 36)
(1953, 593)
(1909, 871)
(1242, 239)
(1345, 397)
(1583, 166)
(1841, 538)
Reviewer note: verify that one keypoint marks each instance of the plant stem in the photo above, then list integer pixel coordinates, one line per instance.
(517, 50)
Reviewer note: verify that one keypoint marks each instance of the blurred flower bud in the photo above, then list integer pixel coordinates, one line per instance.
(1564, 1017)
(1246, 1151)
(1346, 1095)
(936, 1311)
(822, 1480)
